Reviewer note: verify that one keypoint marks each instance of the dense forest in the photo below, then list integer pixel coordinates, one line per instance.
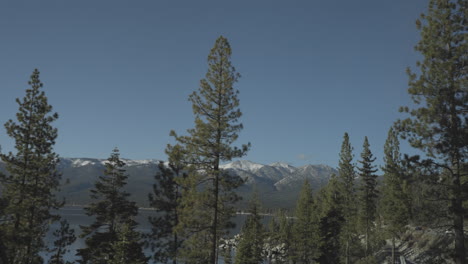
(353, 219)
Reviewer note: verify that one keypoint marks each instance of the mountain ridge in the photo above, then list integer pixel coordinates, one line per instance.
(278, 184)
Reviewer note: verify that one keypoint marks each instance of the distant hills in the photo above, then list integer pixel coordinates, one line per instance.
(278, 184)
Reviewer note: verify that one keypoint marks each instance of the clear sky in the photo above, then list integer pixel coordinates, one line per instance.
(119, 72)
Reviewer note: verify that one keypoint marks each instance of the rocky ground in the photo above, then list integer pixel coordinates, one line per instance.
(421, 245)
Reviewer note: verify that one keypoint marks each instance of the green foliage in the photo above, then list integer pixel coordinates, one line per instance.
(367, 260)
(367, 192)
(438, 125)
(394, 201)
(331, 220)
(127, 248)
(306, 239)
(272, 241)
(3, 253)
(346, 178)
(111, 210)
(208, 196)
(64, 237)
(227, 246)
(165, 242)
(195, 249)
(250, 247)
(29, 189)
(278, 239)
(285, 234)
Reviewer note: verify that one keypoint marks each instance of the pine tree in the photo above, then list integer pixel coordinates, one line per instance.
(394, 199)
(111, 210)
(227, 246)
(64, 238)
(278, 239)
(165, 242)
(305, 228)
(367, 192)
(127, 247)
(30, 187)
(3, 253)
(272, 240)
(438, 125)
(331, 220)
(250, 248)
(285, 237)
(347, 177)
(207, 206)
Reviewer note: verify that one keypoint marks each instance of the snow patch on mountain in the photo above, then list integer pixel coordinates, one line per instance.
(283, 165)
(243, 165)
(130, 162)
(82, 162)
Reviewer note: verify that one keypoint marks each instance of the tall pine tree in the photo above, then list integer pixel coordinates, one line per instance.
(250, 247)
(305, 228)
(29, 189)
(64, 237)
(111, 210)
(331, 220)
(367, 193)
(438, 125)
(165, 242)
(278, 239)
(347, 177)
(3, 203)
(207, 205)
(127, 248)
(285, 237)
(394, 201)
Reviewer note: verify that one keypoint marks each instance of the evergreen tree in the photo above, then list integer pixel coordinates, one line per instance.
(29, 189)
(3, 203)
(227, 246)
(250, 248)
(347, 177)
(64, 238)
(111, 210)
(127, 248)
(272, 240)
(305, 228)
(394, 197)
(331, 221)
(207, 205)
(438, 125)
(165, 242)
(285, 237)
(278, 239)
(368, 192)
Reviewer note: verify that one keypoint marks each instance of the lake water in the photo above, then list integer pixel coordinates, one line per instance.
(76, 217)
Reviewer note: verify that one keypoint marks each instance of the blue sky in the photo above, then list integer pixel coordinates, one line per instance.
(119, 72)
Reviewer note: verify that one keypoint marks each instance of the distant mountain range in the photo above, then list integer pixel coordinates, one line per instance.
(278, 184)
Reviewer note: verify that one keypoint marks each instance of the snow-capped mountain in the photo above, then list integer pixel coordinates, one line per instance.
(81, 162)
(283, 166)
(317, 175)
(244, 165)
(278, 183)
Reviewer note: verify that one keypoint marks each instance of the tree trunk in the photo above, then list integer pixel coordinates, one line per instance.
(215, 218)
(460, 254)
(367, 238)
(3, 255)
(393, 250)
(174, 261)
(347, 251)
(458, 214)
